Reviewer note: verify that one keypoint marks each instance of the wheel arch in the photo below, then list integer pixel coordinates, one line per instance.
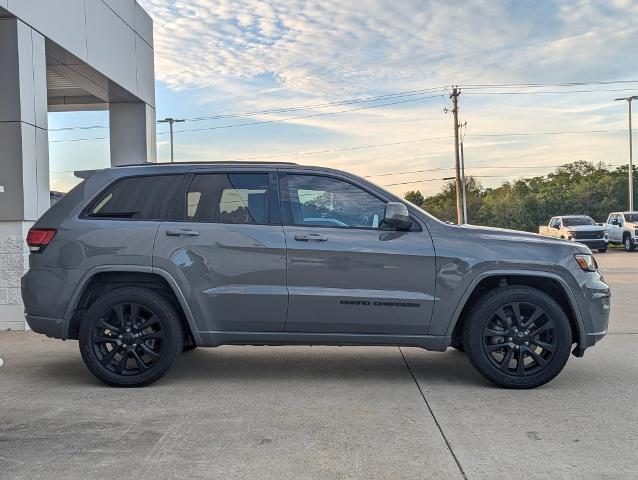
(546, 282)
(109, 277)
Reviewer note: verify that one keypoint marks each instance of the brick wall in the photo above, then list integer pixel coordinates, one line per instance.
(14, 261)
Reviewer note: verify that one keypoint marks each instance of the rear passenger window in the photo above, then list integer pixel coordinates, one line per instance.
(137, 198)
(229, 198)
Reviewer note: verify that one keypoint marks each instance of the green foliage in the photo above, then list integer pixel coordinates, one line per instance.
(580, 188)
(415, 197)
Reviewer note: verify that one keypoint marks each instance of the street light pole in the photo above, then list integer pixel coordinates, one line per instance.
(631, 153)
(170, 122)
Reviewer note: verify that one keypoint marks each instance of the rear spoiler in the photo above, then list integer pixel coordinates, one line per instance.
(85, 174)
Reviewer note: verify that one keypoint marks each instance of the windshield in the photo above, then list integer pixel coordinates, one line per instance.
(578, 221)
(631, 217)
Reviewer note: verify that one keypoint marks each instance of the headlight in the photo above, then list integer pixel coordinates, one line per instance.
(586, 262)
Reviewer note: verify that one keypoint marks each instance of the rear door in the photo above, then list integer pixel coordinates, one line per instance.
(226, 250)
(345, 273)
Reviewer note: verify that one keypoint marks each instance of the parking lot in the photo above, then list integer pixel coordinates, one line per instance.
(325, 412)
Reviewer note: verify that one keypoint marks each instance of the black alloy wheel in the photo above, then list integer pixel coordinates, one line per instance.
(517, 337)
(128, 339)
(131, 337)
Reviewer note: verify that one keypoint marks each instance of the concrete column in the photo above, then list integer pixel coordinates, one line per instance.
(24, 157)
(132, 133)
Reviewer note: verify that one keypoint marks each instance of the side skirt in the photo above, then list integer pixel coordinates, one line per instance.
(428, 342)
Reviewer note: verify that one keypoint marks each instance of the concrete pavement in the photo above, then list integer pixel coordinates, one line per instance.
(324, 412)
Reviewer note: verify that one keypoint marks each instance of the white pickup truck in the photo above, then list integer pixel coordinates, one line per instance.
(578, 228)
(622, 227)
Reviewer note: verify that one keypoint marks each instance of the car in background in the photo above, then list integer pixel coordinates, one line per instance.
(622, 228)
(578, 228)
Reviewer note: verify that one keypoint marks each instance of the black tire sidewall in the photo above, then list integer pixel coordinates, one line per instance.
(173, 340)
(473, 332)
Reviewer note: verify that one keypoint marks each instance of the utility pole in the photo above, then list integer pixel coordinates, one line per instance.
(170, 122)
(463, 185)
(631, 153)
(457, 156)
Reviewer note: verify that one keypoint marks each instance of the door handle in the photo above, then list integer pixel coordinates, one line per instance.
(181, 233)
(313, 237)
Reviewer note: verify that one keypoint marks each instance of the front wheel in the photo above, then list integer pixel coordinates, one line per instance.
(517, 337)
(629, 244)
(602, 250)
(130, 337)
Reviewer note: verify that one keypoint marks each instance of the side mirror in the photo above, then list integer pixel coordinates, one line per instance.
(397, 216)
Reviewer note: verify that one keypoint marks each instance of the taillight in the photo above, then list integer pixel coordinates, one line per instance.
(38, 238)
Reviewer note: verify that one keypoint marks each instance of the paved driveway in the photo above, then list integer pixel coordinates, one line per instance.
(324, 412)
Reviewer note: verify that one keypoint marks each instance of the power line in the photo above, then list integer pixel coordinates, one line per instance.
(525, 134)
(442, 88)
(262, 122)
(442, 179)
(79, 139)
(547, 92)
(541, 85)
(325, 114)
(477, 167)
(321, 105)
(285, 109)
(505, 134)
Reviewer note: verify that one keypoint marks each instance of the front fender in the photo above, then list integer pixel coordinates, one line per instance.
(499, 273)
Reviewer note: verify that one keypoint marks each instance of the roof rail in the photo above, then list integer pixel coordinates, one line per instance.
(230, 162)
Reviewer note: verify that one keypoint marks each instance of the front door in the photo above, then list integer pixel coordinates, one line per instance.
(614, 231)
(226, 250)
(345, 273)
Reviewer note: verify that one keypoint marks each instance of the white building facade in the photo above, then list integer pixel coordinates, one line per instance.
(64, 55)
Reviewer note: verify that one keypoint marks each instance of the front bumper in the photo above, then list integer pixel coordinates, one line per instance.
(594, 243)
(597, 308)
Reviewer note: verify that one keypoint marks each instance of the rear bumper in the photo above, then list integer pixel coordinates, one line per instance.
(51, 327)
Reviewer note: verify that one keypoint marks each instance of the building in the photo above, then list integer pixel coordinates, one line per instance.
(64, 55)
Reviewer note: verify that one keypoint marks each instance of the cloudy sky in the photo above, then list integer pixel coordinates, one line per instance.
(222, 57)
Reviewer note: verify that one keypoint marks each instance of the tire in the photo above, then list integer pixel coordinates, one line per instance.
(457, 345)
(495, 333)
(130, 337)
(629, 244)
(602, 250)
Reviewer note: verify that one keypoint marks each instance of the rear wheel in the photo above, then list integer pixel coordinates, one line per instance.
(602, 250)
(130, 337)
(517, 337)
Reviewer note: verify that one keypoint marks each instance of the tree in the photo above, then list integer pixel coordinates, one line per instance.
(579, 188)
(415, 197)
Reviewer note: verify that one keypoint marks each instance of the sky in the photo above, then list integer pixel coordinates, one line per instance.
(224, 57)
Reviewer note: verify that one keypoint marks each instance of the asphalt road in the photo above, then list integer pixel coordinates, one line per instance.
(325, 413)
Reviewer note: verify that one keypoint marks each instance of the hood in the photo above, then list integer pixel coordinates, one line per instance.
(515, 235)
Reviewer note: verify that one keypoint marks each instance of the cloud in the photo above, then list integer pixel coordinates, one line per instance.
(323, 48)
(239, 55)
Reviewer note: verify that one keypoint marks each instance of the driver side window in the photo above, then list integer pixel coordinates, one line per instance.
(329, 202)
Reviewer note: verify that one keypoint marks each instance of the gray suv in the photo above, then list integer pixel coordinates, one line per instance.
(140, 263)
